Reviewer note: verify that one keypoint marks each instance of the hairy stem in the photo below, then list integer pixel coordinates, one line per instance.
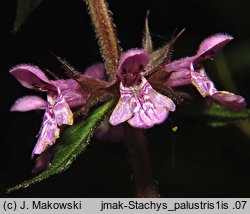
(139, 159)
(106, 35)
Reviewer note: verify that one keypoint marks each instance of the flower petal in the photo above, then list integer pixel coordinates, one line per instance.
(29, 103)
(143, 103)
(207, 48)
(96, 71)
(229, 100)
(61, 110)
(72, 92)
(180, 64)
(179, 72)
(158, 99)
(206, 87)
(149, 107)
(57, 113)
(48, 133)
(29, 76)
(148, 119)
(122, 111)
(202, 82)
(179, 78)
(211, 45)
(131, 60)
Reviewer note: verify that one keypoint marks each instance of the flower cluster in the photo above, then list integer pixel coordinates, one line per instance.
(62, 95)
(189, 70)
(143, 86)
(139, 103)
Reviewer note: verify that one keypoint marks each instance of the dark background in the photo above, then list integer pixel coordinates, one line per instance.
(197, 161)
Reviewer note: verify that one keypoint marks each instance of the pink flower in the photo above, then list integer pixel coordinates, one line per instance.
(61, 96)
(139, 103)
(189, 70)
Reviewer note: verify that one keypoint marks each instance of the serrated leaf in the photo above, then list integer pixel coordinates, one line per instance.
(73, 141)
(24, 9)
(219, 113)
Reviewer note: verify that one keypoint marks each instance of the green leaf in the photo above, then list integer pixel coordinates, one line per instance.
(219, 116)
(24, 9)
(73, 141)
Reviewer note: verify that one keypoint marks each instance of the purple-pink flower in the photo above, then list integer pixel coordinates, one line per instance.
(139, 103)
(189, 70)
(62, 95)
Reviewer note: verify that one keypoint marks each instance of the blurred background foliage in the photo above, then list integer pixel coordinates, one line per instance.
(195, 161)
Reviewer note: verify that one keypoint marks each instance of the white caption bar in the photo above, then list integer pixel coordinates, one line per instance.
(125, 205)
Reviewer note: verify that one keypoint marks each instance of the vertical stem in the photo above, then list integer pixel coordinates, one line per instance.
(224, 73)
(137, 147)
(106, 35)
(228, 82)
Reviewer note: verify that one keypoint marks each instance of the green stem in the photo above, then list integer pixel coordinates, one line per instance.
(137, 147)
(228, 82)
(224, 73)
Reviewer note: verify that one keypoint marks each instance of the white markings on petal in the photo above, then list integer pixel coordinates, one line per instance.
(147, 106)
(57, 113)
(48, 133)
(63, 114)
(202, 82)
(122, 111)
